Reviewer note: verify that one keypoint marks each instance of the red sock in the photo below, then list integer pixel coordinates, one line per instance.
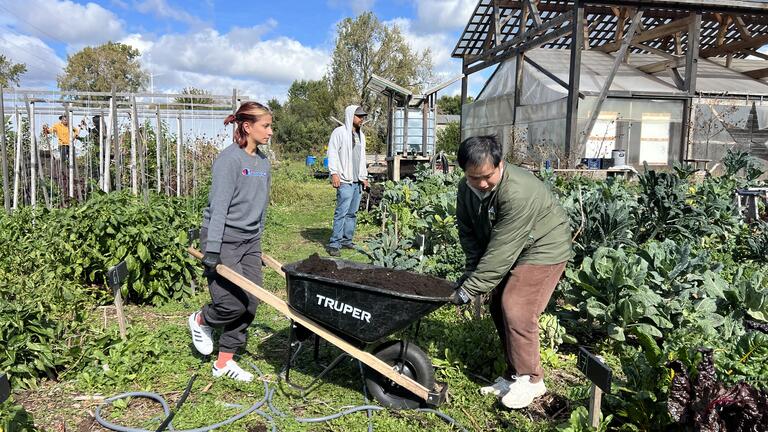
(224, 357)
(199, 318)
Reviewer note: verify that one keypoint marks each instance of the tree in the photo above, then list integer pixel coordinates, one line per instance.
(192, 102)
(101, 68)
(303, 123)
(448, 139)
(450, 105)
(10, 72)
(366, 46)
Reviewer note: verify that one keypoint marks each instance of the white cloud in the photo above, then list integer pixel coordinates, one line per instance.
(42, 62)
(439, 15)
(162, 9)
(64, 21)
(244, 36)
(138, 41)
(279, 60)
(357, 6)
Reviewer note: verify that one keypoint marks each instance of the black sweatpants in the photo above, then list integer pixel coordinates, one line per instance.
(231, 308)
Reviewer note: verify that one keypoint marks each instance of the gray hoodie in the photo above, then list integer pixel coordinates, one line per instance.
(239, 196)
(340, 158)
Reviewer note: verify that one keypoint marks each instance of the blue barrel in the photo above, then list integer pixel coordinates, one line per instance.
(325, 162)
(311, 160)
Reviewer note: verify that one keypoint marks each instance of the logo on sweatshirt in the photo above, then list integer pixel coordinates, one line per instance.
(253, 173)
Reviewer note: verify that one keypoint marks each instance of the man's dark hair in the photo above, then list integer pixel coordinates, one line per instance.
(475, 151)
(61, 117)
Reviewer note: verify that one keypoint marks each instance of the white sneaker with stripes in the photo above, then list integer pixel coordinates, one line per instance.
(202, 335)
(498, 388)
(232, 370)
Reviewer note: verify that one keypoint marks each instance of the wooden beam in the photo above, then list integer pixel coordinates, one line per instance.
(656, 51)
(548, 74)
(735, 47)
(692, 54)
(662, 65)
(757, 73)
(551, 24)
(654, 33)
(757, 54)
(739, 21)
(678, 43)
(529, 45)
(679, 81)
(609, 79)
(574, 80)
(534, 12)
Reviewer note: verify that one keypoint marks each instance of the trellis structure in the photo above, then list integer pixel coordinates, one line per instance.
(666, 44)
(113, 151)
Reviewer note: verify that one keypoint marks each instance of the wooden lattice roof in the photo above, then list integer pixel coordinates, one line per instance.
(723, 22)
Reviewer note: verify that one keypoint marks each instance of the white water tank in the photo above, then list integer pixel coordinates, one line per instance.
(619, 158)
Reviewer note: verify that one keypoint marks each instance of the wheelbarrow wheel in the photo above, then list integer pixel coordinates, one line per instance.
(415, 365)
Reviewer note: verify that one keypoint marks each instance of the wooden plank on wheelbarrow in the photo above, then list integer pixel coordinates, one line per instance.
(369, 359)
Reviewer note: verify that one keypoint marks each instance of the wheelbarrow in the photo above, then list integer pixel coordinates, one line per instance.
(354, 317)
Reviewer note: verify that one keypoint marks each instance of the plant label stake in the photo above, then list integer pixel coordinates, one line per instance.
(116, 275)
(193, 234)
(600, 375)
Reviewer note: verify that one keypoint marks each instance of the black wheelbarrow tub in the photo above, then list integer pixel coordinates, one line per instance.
(364, 313)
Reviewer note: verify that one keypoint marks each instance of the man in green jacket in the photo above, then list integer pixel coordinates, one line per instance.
(517, 240)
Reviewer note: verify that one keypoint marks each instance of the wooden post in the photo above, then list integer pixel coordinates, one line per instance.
(405, 126)
(32, 156)
(17, 162)
(234, 110)
(178, 155)
(118, 145)
(108, 144)
(158, 145)
(609, 80)
(424, 125)
(134, 126)
(464, 85)
(6, 195)
(691, 71)
(115, 277)
(595, 400)
(577, 45)
(391, 127)
(101, 149)
(71, 157)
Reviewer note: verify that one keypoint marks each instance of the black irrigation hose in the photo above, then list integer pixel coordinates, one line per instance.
(181, 401)
(269, 393)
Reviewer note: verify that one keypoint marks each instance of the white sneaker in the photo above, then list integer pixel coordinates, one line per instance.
(232, 370)
(522, 392)
(500, 386)
(201, 335)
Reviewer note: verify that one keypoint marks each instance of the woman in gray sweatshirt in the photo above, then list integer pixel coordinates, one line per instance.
(233, 223)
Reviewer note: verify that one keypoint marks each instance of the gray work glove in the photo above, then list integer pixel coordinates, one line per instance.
(211, 260)
(460, 297)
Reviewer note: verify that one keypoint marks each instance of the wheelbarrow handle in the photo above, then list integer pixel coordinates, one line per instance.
(268, 260)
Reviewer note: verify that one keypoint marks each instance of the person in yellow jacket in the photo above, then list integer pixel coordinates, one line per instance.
(61, 129)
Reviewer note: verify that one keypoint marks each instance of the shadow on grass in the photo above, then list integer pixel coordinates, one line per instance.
(317, 235)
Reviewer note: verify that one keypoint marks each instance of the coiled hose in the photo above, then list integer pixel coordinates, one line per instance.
(269, 394)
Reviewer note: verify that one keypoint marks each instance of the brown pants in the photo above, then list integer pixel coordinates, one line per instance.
(515, 308)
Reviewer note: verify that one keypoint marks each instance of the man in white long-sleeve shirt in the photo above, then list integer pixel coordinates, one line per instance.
(346, 163)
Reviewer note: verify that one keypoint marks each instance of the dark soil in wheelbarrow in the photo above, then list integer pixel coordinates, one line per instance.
(389, 279)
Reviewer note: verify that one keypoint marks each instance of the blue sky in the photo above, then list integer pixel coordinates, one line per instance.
(257, 47)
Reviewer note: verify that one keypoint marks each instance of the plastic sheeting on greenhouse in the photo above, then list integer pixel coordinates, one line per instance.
(649, 128)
